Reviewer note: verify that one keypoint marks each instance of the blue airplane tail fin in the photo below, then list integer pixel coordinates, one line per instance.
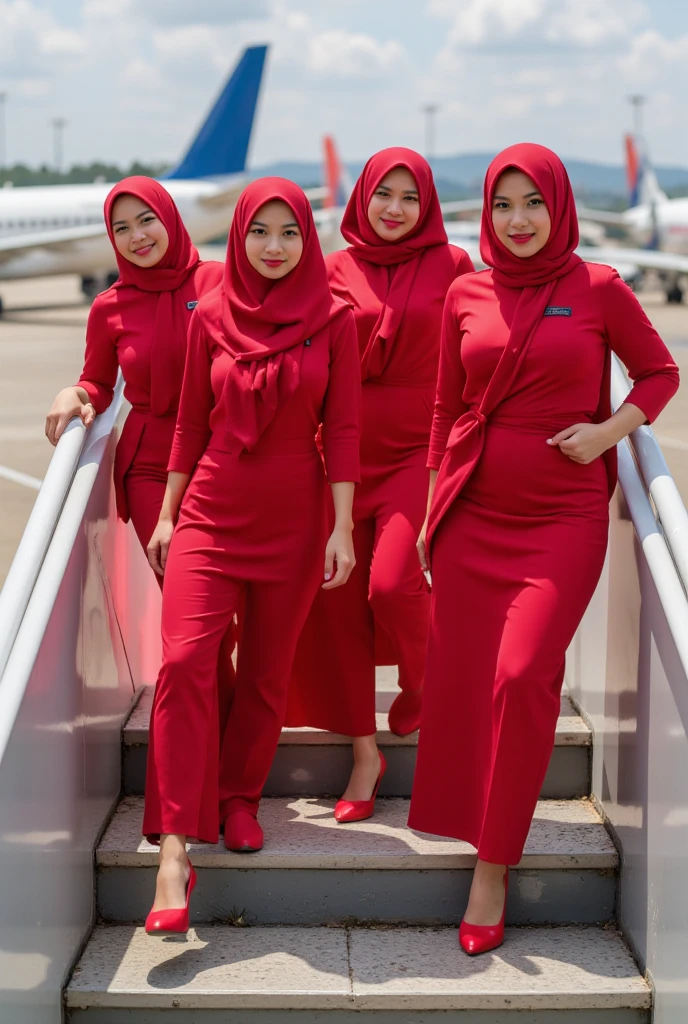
(221, 145)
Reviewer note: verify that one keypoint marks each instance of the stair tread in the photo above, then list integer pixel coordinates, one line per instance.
(302, 834)
(219, 966)
(571, 729)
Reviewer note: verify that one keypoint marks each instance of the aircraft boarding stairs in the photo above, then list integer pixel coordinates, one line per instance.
(332, 923)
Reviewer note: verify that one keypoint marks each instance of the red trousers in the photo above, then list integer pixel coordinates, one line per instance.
(380, 617)
(145, 486)
(229, 548)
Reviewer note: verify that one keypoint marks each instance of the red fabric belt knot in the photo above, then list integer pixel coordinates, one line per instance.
(480, 416)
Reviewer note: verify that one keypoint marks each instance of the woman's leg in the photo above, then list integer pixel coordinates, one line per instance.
(199, 600)
(273, 617)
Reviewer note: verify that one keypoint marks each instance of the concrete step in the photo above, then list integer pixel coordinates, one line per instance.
(310, 762)
(315, 871)
(565, 975)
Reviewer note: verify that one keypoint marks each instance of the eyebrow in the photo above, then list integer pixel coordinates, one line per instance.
(138, 215)
(407, 191)
(262, 224)
(527, 195)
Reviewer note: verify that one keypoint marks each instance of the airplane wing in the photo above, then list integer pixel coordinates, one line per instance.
(643, 259)
(617, 220)
(63, 238)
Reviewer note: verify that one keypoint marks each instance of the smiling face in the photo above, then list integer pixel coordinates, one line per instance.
(140, 235)
(395, 207)
(519, 214)
(274, 242)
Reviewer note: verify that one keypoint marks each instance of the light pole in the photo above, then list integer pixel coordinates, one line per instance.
(430, 109)
(637, 101)
(3, 138)
(58, 124)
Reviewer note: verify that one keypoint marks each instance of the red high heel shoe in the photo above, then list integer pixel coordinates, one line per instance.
(404, 714)
(173, 922)
(359, 810)
(243, 834)
(481, 938)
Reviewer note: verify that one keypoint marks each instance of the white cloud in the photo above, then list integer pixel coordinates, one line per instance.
(353, 55)
(32, 43)
(197, 12)
(496, 24)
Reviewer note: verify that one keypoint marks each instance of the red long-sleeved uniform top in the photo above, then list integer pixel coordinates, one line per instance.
(120, 332)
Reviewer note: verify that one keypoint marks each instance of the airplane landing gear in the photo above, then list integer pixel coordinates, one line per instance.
(674, 295)
(92, 286)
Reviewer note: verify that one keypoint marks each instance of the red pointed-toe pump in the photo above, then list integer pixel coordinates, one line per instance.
(359, 810)
(481, 938)
(173, 922)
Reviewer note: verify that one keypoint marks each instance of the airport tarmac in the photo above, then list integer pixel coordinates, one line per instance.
(41, 350)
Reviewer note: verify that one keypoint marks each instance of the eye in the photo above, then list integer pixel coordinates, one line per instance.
(291, 233)
(411, 199)
(148, 220)
(120, 229)
(257, 231)
(536, 202)
(382, 193)
(501, 204)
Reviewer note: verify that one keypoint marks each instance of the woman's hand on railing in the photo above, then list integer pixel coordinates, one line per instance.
(68, 404)
(159, 545)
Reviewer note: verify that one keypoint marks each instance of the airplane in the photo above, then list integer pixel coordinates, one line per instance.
(59, 229)
(630, 264)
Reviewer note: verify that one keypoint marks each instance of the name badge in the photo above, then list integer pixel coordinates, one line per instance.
(192, 304)
(558, 311)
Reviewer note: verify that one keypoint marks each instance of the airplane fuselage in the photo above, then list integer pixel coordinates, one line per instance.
(32, 211)
(672, 220)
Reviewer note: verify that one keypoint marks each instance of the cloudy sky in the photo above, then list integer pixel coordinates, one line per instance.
(134, 77)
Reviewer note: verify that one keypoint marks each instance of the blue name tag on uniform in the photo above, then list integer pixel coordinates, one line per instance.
(558, 311)
(192, 304)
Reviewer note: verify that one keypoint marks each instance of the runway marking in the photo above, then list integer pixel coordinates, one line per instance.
(673, 442)
(20, 478)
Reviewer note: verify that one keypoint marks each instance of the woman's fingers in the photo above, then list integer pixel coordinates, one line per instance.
(563, 435)
(88, 414)
(153, 552)
(420, 548)
(345, 566)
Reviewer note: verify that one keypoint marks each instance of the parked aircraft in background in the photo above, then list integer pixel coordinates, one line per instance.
(59, 229)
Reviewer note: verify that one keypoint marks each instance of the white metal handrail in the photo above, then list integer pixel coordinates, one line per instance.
(33, 546)
(658, 480)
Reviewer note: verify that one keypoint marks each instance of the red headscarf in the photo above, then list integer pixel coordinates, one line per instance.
(261, 323)
(391, 281)
(556, 257)
(168, 350)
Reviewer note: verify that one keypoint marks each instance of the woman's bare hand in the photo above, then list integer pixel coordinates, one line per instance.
(583, 442)
(159, 545)
(66, 406)
(339, 550)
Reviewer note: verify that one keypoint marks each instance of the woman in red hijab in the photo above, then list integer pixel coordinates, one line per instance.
(395, 273)
(272, 355)
(523, 462)
(140, 325)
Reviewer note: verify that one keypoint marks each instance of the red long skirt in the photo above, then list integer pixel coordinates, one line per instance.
(381, 616)
(514, 565)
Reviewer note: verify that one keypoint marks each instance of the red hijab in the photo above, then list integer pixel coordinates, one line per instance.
(556, 257)
(168, 349)
(395, 263)
(263, 324)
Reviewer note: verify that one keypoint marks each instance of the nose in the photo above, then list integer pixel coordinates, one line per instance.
(273, 244)
(138, 233)
(394, 206)
(519, 218)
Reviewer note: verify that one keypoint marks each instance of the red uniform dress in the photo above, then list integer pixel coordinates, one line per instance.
(381, 616)
(267, 363)
(518, 532)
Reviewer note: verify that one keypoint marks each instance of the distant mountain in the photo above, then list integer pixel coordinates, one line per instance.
(465, 171)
